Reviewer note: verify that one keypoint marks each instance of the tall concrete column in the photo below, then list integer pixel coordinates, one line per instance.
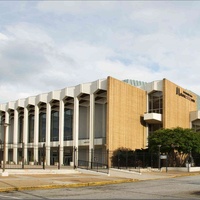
(6, 134)
(15, 136)
(91, 128)
(25, 134)
(61, 130)
(36, 128)
(48, 131)
(76, 130)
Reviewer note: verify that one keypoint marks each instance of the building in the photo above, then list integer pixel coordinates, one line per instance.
(93, 118)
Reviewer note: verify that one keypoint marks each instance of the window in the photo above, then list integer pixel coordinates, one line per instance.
(154, 127)
(156, 102)
(42, 127)
(20, 135)
(54, 126)
(68, 124)
(31, 128)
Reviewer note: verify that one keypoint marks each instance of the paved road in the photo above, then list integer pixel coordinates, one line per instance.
(171, 188)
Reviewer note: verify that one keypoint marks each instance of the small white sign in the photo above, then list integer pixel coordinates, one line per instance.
(163, 156)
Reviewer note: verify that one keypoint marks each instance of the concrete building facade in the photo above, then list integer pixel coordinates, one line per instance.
(93, 118)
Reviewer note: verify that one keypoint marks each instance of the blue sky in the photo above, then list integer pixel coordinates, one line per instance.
(50, 45)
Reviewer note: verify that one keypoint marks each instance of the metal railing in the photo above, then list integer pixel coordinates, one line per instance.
(94, 166)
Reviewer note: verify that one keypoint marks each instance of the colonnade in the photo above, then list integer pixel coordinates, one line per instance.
(10, 113)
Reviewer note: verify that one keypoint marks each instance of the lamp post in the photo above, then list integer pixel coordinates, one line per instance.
(159, 156)
(189, 160)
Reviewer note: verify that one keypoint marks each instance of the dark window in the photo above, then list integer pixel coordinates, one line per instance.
(68, 124)
(42, 127)
(54, 126)
(154, 127)
(21, 125)
(156, 102)
(31, 128)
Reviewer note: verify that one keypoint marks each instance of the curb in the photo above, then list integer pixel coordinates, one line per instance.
(73, 185)
(99, 183)
(186, 174)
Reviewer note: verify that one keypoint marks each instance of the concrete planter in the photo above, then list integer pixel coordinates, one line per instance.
(187, 164)
(42, 163)
(31, 163)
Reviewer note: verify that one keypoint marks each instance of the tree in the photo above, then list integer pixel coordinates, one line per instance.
(178, 143)
(123, 157)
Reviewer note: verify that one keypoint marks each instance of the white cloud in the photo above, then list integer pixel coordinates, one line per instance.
(65, 43)
(75, 7)
(3, 37)
(28, 32)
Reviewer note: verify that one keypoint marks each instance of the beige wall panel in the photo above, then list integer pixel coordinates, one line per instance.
(177, 106)
(126, 104)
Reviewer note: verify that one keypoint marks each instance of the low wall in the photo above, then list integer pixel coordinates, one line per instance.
(182, 169)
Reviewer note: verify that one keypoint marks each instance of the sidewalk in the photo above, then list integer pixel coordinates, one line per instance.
(46, 179)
